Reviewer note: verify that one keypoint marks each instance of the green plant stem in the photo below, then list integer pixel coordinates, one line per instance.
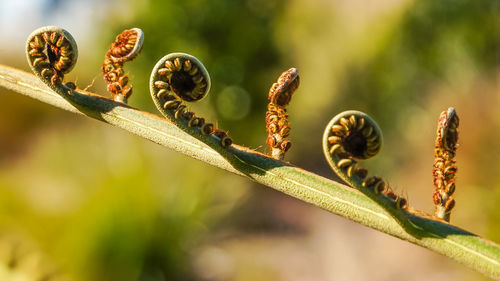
(440, 237)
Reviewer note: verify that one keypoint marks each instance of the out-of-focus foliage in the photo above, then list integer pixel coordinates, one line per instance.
(105, 205)
(113, 218)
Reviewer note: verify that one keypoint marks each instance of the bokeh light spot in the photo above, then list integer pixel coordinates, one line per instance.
(233, 103)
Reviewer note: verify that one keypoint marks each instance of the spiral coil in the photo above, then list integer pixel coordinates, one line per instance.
(179, 78)
(52, 52)
(352, 136)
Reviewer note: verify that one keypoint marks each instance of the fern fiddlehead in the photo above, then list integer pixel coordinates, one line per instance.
(126, 47)
(445, 167)
(277, 125)
(352, 136)
(179, 78)
(52, 52)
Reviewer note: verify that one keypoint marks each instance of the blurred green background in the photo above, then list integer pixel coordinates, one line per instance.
(91, 202)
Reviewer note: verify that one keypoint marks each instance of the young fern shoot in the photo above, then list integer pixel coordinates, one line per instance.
(179, 78)
(52, 52)
(445, 168)
(126, 47)
(352, 136)
(277, 125)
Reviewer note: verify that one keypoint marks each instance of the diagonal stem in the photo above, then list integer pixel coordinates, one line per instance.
(332, 196)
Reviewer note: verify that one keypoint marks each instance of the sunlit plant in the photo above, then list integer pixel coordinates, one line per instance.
(349, 137)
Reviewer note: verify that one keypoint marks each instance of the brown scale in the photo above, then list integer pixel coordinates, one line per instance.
(222, 135)
(181, 80)
(52, 55)
(277, 125)
(126, 47)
